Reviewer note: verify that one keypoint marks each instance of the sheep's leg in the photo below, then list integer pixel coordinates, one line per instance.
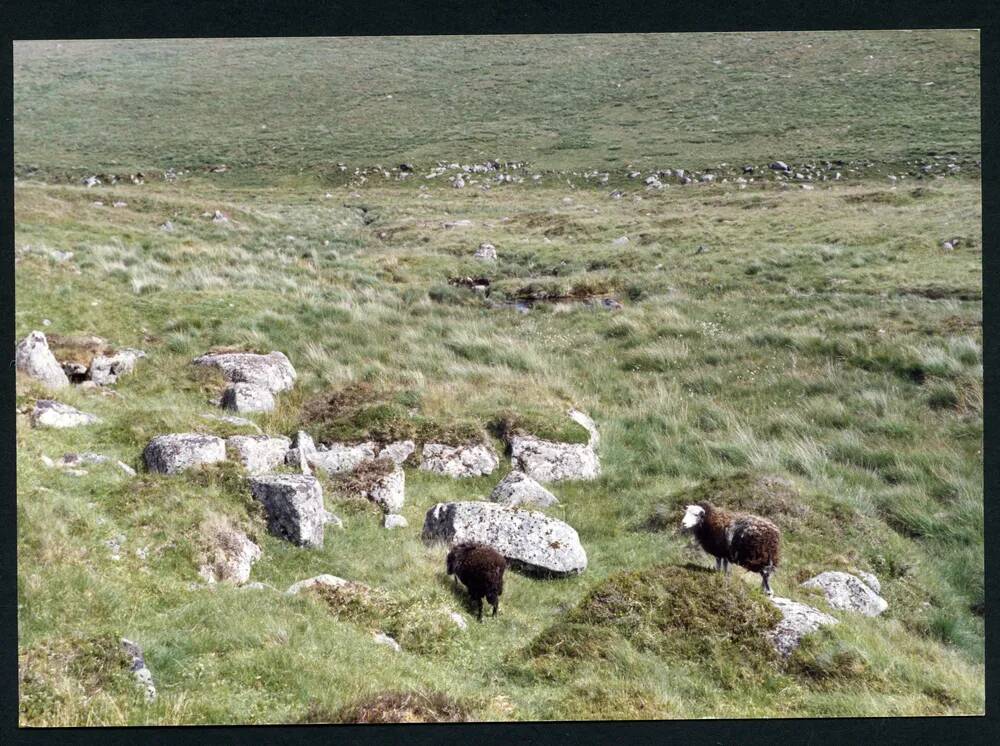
(766, 582)
(494, 602)
(718, 564)
(479, 609)
(725, 564)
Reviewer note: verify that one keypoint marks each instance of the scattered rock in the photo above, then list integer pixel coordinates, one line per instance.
(388, 491)
(848, 593)
(549, 461)
(948, 246)
(620, 241)
(272, 371)
(383, 639)
(398, 451)
(459, 620)
(259, 453)
(167, 226)
(335, 458)
(169, 454)
(61, 257)
(247, 397)
(331, 520)
(779, 166)
(328, 581)
(219, 217)
(34, 358)
(48, 413)
(517, 489)
(125, 468)
(471, 460)
(486, 252)
(394, 520)
(107, 369)
(294, 506)
(798, 620)
(458, 224)
(534, 541)
(230, 556)
(138, 667)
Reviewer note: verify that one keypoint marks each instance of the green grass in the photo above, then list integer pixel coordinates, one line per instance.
(820, 364)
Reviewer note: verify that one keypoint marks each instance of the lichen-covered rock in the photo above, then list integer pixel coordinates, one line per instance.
(398, 451)
(517, 488)
(532, 540)
(473, 460)
(335, 458)
(549, 461)
(230, 556)
(169, 454)
(389, 490)
(142, 674)
(384, 639)
(486, 252)
(48, 413)
(107, 369)
(393, 520)
(798, 620)
(247, 397)
(33, 357)
(294, 507)
(846, 592)
(870, 580)
(232, 420)
(259, 453)
(273, 371)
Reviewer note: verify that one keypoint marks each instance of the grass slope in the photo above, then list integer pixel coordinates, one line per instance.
(820, 362)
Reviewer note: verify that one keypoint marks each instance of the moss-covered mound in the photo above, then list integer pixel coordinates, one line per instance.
(361, 411)
(551, 424)
(395, 707)
(766, 495)
(417, 625)
(687, 614)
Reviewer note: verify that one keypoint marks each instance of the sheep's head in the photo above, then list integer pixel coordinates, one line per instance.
(694, 515)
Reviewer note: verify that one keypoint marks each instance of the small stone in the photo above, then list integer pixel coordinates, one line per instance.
(138, 668)
(486, 252)
(517, 489)
(393, 520)
(620, 241)
(383, 639)
(459, 620)
(294, 507)
(797, 621)
(846, 592)
(328, 581)
(169, 454)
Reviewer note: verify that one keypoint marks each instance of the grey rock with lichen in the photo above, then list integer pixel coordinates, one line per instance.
(846, 592)
(797, 621)
(33, 357)
(258, 453)
(247, 397)
(175, 452)
(48, 413)
(273, 371)
(470, 460)
(294, 507)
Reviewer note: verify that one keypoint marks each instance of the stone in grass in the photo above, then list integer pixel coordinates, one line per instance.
(552, 461)
(34, 358)
(230, 555)
(273, 371)
(470, 460)
(169, 454)
(107, 369)
(247, 397)
(486, 252)
(398, 451)
(393, 520)
(137, 666)
(517, 488)
(846, 592)
(259, 453)
(798, 620)
(294, 507)
(531, 540)
(323, 581)
(335, 458)
(384, 639)
(48, 413)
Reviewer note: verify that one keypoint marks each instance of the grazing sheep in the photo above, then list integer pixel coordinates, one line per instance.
(747, 540)
(480, 568)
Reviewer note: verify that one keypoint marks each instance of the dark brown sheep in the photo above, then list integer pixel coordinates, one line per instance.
(747, 540)
(480, 568)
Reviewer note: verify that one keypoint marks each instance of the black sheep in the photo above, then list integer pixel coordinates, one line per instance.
(747, 540)
(480, 568)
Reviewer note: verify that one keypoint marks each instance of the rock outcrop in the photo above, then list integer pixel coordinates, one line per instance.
(535, 542)
(273, 371)
(294, 507)
(517, 489)
(48, 413)
(137, 666)
(169, 454)
(335, 458)
(798, 620)
(259, 454)
(846, 592)
(105, 370)
(34, 358)
(473, 460)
